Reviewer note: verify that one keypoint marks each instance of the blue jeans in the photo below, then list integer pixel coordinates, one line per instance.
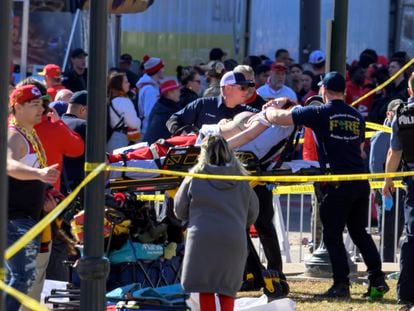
(21, 268)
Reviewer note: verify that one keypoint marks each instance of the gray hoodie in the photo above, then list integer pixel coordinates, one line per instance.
(217, 213)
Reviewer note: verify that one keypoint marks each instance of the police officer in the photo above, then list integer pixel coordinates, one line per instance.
(339, 131)
(401, 146)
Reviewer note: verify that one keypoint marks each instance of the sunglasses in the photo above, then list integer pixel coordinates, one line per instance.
(242, 88)
(197, 81)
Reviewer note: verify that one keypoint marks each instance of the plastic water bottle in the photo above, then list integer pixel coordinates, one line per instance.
(388, 202)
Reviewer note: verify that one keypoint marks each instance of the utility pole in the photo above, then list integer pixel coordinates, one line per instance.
(93, 267)
(339, 34)
(310, 28)
(5, 22)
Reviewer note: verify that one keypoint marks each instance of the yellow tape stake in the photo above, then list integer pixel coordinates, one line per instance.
(51, 216)
(287, 179)
(26, 301)
(381, 86)
(294, 189)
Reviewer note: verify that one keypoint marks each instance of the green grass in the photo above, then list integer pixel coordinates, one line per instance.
(302, 293)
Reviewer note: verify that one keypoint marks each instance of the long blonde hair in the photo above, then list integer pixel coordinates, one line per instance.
(216, 151)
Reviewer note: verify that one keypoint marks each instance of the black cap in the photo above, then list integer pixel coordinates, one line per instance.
(333, 81)
(79, 98)
(125, 58)
(216, 54)
(77, 52)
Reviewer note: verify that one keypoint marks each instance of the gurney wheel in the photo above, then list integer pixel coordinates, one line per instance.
(275, 287)
(285, 287)
(275, 291)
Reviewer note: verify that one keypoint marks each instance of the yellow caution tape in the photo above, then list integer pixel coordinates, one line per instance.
(2, 274)
(369, 134)
(378, 127)
(292, 189)
(90, 166)
(381, 86)
(273, 178)
(51, 216)
(25, 300)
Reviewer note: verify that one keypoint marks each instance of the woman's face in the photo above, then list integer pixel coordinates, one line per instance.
(295, 73)
(125, 84)
(195, 83)
(306, 82)
(393, 67)
(174, 95)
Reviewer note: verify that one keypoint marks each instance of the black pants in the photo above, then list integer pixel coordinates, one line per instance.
(405, 287)
(266, 229)
(55, 268)
(343, 204)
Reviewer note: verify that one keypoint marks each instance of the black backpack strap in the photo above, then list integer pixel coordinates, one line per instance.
(120, 125)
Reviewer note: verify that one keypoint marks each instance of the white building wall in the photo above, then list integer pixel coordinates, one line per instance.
(275, 24)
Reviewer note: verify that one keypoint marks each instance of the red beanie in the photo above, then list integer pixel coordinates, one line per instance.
(168, 85)
(152, 64)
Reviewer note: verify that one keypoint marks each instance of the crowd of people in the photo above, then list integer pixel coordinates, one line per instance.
(46, 143)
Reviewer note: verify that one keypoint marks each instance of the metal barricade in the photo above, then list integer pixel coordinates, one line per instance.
(293, 220)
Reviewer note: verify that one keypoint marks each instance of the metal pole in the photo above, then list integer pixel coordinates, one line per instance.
(339, 32)
(5, 22)
(25, 39)
(310, 28)
(71, 36)
(118, 35)
(93, 267)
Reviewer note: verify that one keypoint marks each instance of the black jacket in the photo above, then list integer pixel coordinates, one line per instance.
(74, 82)
(187, 96)
(205, 110)
(74, 166)
(257, 104)
(162, 111)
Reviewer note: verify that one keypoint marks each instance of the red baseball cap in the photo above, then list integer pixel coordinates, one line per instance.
(279, 66)
(51, 70)
(168, 85)
(24, 94)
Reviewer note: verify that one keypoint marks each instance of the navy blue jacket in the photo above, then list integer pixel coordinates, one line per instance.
(162, 111)
(206, 110)
(74, 167)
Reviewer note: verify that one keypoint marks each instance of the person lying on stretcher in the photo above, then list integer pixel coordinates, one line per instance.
(240, 137)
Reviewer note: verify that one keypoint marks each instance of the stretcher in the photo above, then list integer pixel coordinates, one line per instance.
(180, 154)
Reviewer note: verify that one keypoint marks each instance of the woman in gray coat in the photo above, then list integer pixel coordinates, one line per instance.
(216, 213)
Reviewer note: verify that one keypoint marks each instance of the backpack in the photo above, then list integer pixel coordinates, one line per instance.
(118, 127)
